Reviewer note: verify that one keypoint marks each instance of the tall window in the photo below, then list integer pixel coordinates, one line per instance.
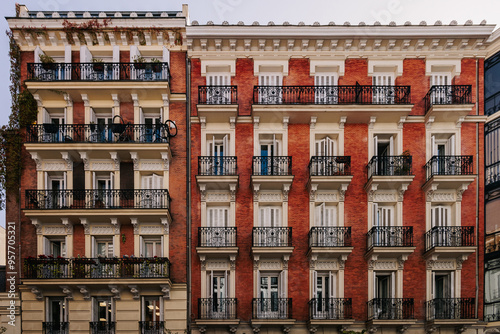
(325, 88)
(152, 309)
(324, 289)
(152, 195)
(57, 312)
(218, 289)
(152, 246)
(103, 246)
(272, 291)
(383, 93)
(103, 310)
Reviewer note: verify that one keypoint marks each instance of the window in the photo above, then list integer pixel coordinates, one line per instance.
(443, 151)
(104, 183)
(270, 161)
(217, 216)
(103, 246)
(55, 183)
(385, 162)
(325, 90)
(383, 93)
(272, 303)
(100, 121)
(152, 311)
(324, 289)
(152, 246)
(325, 215)
(270, 91)
(270, 216)
(492, 289)
(153, 126)
(57, 314)
(442, 293)
(152, 195)
(53, 121)
(218, 283)
(217, 150)
(442, 94)
(55, 246)
(325, 146)
(103, 310)
(384, 292)
(270, 233)
(383, 233)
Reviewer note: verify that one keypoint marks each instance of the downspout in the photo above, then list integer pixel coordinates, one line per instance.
(188, 189)
(477, 192)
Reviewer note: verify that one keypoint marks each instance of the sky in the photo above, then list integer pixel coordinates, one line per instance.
(263, 11)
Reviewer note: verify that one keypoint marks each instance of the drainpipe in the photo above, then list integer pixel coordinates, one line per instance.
(477, 192)
(188, 189)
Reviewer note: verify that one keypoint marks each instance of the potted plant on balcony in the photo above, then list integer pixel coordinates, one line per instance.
(140, 62)
(48, 62)
(156, 65)
(404, 167)
(98, 64)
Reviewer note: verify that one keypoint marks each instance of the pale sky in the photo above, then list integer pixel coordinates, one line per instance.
(248, 11)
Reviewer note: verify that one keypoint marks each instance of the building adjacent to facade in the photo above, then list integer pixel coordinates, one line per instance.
(337, 181)
(101, 218)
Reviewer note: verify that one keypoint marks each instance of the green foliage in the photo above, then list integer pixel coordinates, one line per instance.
(46, 59)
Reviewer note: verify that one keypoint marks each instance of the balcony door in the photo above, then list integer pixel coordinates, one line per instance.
(441, 148)
(103, 313)
(324, 290)
(152, 196)
(153, 125)
(325, 218)
(218, 292)
(217, 221)
(54, 246)
(442, 294)
(383, 92)
(102, 247)
(217, 149)
(53, 125)
(271, 289)
(56, 186)
(270, 219)
(152, 315)
(383, 149)
(443, 94)
(325, 149)
(270, 149)
(325, 88)
(271, 92)
(383, 220)
(57, 315)
(384, 291)
(441, 223)
(151, 247)
(215, 93)
(104, 184)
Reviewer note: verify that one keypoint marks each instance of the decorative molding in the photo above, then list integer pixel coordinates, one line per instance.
(232, 192)
(384, 197)
(69, 161)
(443, 265)
(232, 262)
(286, 258)
(135, 159)
(102, 166)
(203, 191)
(286, 120)
(312, 123)
(270, 265)
(203, 122)
(401, 122)
(327, 265)
(67, 291)
(312, 192)
(460, 191)
(218, 197)
(102, 230)
(69, 101)
(428, 123)
(37, 292)
(217, 264)
(342, 260)
(151, 229)
(116, 100)
(115, 224)
(371, 124)
(256, 262)
(343, 120)
(135, 223)
(270, 197)
(136, 293)
(54, 166)
(84, 291)
(135, 99)
(165, 289)
(256, 121)
(443, 197)
(401, 191)
(401, 261)
(203, 262)
(85, 160)
(256, 190)
(460, 260)
(150, 166)
(166, 225)
(371, 192)
(115, 291)
(38, 226)
(116, 159)
(166, 160)
(85, 99)
(38, 161)
(232, 122)
(459, 122)
(313, 259)
(67, 225)
(54, 230)
(326, 197)
(430, 192)
(385, 265)
(86, 226)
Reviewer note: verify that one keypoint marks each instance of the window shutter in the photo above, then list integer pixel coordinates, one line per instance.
(314, 284)
(452, 284)
(258, 285)
(67, 54)
(94, 247)
(166, 55)
(282, 285)
(110, 249)
(375, 285)
(393, 285)
(375, 145)
(317, 214)
(376, 221)
(225, 146)
(85, 55)
(433, 286)
(391, 145)
(134, 53)
(434, 146)
(333, 284)
(451, 145)
(63, 247)
(37, 53)
(226, 284)
(46, 246)
(210, 289)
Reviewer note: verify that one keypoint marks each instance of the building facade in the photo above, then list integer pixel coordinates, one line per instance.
(101, 218)
(336, 177)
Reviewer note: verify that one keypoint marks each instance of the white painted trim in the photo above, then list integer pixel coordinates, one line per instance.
(218, 63)
(396, 64)
(257, 64)
(338, 64)
(454, 65)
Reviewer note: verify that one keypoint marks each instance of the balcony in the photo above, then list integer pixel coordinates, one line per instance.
(219, 309)
(55, 327)
(102, 327)
(390, 241)
(97, 199)
(389, 172)
(152, 327)
(330, 241)
(219, 95)
(447, 103)
(272, 240)
(98, 72)
(330, 95)
(330, 172)
(272, 172)
(450, 241)
(217, 240)
(271, 309)
(453, 311)
(96, 268)
(327, 310)
(217, 172)
(390, 309)
(49, 133)
(449, 172)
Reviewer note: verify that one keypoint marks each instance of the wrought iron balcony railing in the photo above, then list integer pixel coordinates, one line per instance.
(216, 236)
(98, 72)
(217, 166)
(55, 327)
(330, 308)
(217, 95)
(102, 327)
(96, 268)
(272, 166)
(217, 308)
(97, 133)
(330, 236)
(272, 237)
(152, 327)
(449, 236)
(449, 165)
(329, 166)
(355, 94)
(390, 236)
(450, 308)
(398, 165)
(390, 309)
(448, 94)
(272, 308)
(97, 199)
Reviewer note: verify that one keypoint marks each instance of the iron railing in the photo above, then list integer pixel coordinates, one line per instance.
(97, 199)
(330, 308)
(216, 236)
(398, 165)
(329, 166)
(95, 268)
(55, 327)
(152, 327)
(390, 309)
(450, 308)
(390, 236)
(217, 308)
(448, 94)
(330, 236)
(102, 327)
(449, 165)
(97, 133)
(98, 72)
(272, 237)
(217, 94)
(492, 175)
(217, 166)
(272, 308)
(355, 94)
(449, 236)
(272, 166)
